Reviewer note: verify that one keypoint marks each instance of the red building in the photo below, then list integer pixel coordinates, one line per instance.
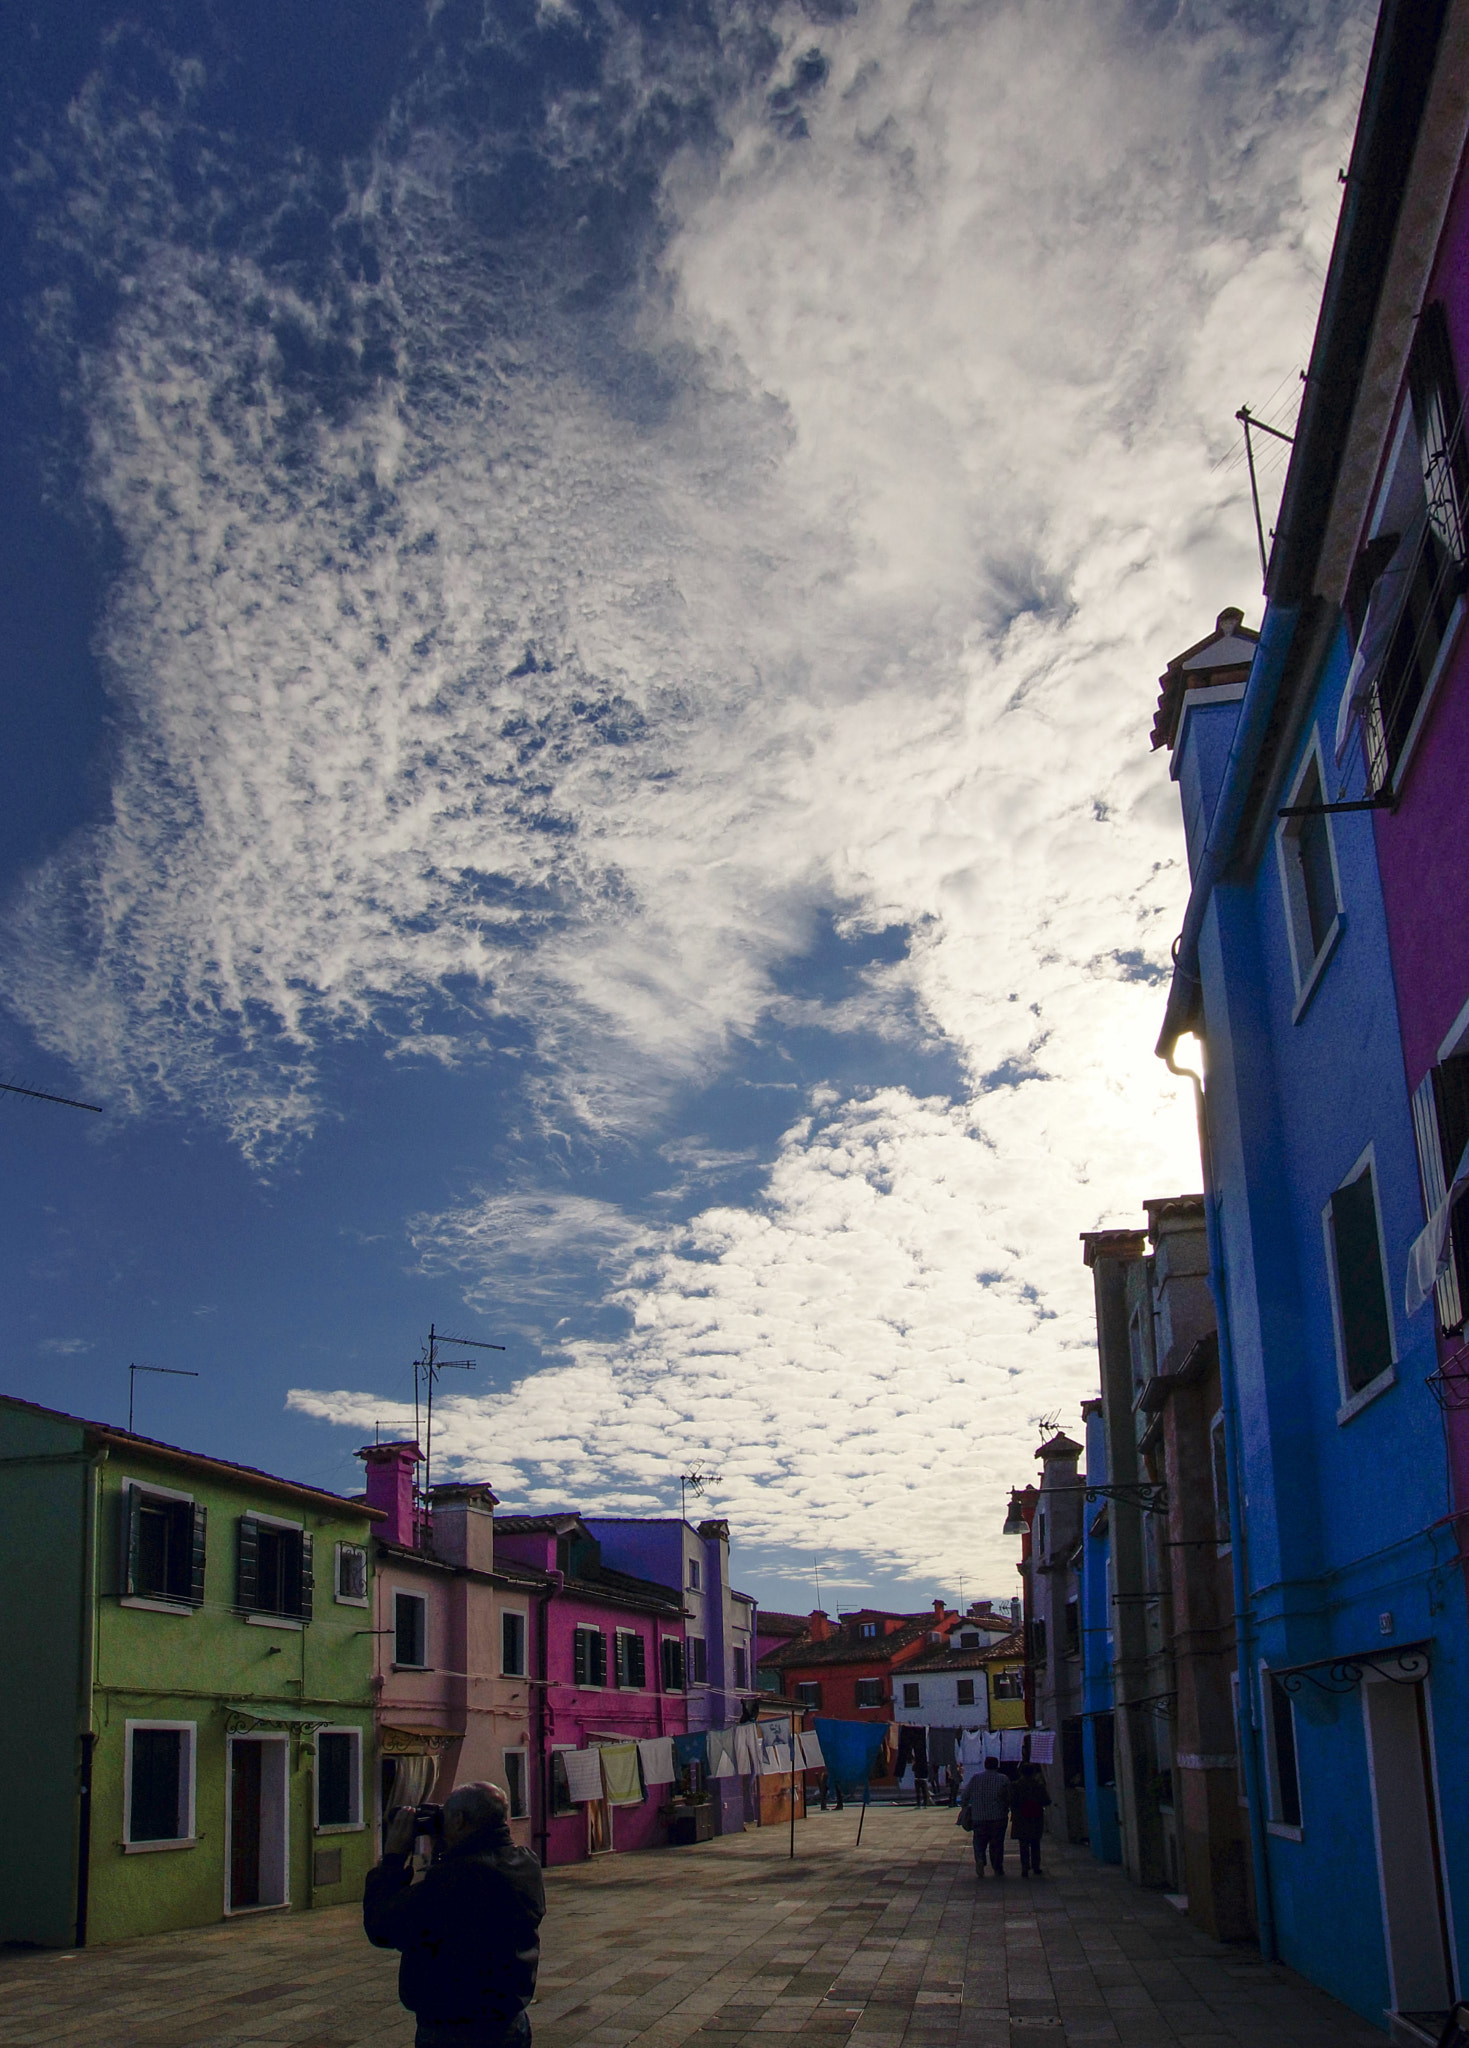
(845, 1669)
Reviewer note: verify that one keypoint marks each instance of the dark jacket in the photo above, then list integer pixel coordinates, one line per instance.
(987, 1798)
(468, 1932)
(1028, 1802)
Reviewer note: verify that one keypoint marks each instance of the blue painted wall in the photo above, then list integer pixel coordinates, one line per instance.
(1097, 1652)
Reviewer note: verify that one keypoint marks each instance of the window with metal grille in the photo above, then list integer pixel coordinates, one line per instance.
(1354, 1245)
(351, 1587)
(1441, 1128)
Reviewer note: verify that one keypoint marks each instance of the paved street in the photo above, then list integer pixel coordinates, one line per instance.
(725, 1945)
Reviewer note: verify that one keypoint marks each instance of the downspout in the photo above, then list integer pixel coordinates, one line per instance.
(1243, 1613)
(543, 1760)
(88, 1734)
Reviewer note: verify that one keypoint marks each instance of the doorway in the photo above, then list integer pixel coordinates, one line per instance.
(256, 1860)
(1409, 1854)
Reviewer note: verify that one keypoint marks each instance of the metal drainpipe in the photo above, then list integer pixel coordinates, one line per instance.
(85, 1707)
(542, 1759)
(1243, 1615)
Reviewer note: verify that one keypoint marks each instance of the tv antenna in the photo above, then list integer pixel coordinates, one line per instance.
(175, 1372)
(816, 1561)
(693, 1482)
(67, 1102)
(1247, 419)
(430, 1366)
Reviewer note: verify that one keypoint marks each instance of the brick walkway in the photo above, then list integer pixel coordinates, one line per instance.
(723, 1946)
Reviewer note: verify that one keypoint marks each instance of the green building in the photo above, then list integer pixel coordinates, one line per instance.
(187, 1686)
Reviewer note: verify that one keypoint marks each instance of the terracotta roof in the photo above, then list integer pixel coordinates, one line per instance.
(846, 1646)
(1003, 1652)
(1223, 656)
(774, 1623)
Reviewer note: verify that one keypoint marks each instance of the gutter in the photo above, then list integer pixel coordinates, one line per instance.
(91, 1561)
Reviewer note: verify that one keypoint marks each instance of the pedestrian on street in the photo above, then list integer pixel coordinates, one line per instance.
(1028, 1802)
(986, 1801)
(468, 1931)
(920, 1781)
(829, 1784)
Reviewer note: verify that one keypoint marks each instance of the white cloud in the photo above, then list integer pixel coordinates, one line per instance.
(569, 712)
(65, 1347)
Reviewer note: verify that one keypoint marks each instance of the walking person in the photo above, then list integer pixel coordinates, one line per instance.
(1028, 1802)
(469, 1931)
(986, 1805)
(920, 1780)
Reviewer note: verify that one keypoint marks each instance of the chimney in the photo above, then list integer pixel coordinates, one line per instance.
(817, 1626)
(464, 1526)
(390, 1469)
(939, 1610)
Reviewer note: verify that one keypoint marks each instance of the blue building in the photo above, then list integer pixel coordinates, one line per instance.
(1352, 1619)
(1099, 1746)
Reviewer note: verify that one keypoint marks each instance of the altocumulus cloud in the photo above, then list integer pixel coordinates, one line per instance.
(539, 610)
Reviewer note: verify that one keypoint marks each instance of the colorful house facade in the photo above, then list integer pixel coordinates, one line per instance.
(1319, 864)
(849, 1671)
(188, 1686)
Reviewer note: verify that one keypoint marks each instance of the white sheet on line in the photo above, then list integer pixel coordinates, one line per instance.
(583, 1772)
(656, 1752)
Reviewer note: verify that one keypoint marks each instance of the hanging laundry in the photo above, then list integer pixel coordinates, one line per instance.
(942, 1747)
(912, 1749)
(972, 1750)
(1042, 1745)
(656, 1752)
(1012, 1745)
(583, 1773)
(747, 1749)
(811, 1756)
(621, 1775)
(722, 1753)
(691, 1749)
(994, 1743)
(850, 1749)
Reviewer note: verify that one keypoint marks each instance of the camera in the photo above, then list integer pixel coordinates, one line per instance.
(428, 1819)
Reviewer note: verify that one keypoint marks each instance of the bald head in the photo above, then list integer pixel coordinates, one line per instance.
(471, 1807)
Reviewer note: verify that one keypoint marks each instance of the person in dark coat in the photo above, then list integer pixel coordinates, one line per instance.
(1028, 1802)
(986, 1802)
(468, 1931)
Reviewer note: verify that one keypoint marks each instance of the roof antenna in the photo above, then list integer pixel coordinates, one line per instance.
(66, 1101)
(819, 1608)
(697, 1481)
(1247, 420)
(176, 1372)
(431, 1366)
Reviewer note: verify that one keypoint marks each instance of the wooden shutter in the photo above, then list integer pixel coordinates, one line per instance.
(308, 1575)
(599, 1656)
(579, 1657)
(196, 1555)
(129, 1536)
(247, 1562)
(619, 1659)
(672, 1664)
(637, 1667)
(1433, 1178)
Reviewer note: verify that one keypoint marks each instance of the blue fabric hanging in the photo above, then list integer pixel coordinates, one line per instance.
(691, 1749)
(850, 1749)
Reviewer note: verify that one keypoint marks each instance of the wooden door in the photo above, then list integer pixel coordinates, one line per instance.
(245, 1790)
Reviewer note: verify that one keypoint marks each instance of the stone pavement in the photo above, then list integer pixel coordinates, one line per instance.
(727, 1945)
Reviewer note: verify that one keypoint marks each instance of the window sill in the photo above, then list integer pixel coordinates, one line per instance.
(274, 1621)
(1365, 1396)
(413, 1667)
(151, 1606)
(1284, 1832)
(153, 1848)
(351, 1600)
(1318, 967)
(341, 1827)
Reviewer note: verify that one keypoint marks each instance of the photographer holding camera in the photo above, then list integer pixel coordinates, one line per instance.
(468, 1929)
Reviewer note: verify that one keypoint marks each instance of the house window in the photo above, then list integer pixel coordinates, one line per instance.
(910, 1694)
(1355, 1257)
(1009, 1685)
(1308, 875)
(158, 1796)
(808, 1692)
(351, 1575)
(561, 1799)
(1285, 1780)
(512, 1643)
(588, 1657)
(741, 1668)
(694, 1574)
(1038, 1641)
(631, 1653)
(273, 1568)
(1135, 1349)
(867, 1628)
(410, 1631)
(969, 1640)
(338, 1778)
(964, 1692)
(1441, 1127)
(1219, 1471)
(517, 1783)
(672, 1664)
(163, 1547)
(698, 1661)
(869, 1692)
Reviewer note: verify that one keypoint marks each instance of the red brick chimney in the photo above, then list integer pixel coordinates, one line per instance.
(817, 1626)
(390, 1469)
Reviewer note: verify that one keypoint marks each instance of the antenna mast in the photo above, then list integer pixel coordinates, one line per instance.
(431, 1365)
(175, 1372)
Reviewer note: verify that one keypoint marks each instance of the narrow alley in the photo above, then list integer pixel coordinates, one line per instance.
(892, 1945)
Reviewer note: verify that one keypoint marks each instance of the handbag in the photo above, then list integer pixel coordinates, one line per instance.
(965, 1820)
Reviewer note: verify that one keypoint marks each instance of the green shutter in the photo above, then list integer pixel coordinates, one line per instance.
(637, 1669)
(247, 1562)
(579, 1656)
(196, 1557)
(129, 1536)
(619, 1659)
(599, 1657)
(308, 1577)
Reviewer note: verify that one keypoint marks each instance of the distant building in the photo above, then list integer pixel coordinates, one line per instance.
(1053, 1603)
(775, 1631)
(847, 1670)
(187, 1686)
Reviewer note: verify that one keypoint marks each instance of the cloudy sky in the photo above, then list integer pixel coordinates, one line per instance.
(581, 595)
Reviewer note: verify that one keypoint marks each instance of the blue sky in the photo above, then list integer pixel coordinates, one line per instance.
(580, 599)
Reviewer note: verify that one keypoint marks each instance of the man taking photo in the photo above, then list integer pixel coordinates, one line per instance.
(468, 1931)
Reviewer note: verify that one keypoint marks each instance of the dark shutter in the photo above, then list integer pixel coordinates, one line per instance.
(579, 1657)
(308, 1576)
(1366, 1333)
(599, 1656)
(196, 1556)
(637, 1665)
(247, 1562)
(672, 1664)
(129, 1535)
(619, 1659)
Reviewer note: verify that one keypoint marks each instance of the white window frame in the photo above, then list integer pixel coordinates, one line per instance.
(145, 1601)
(694, 1576)
(407, 1593)
(1306, 974)
(524, 1755)
(1288, 1831)
(1354, 1401)
(255, 1619)
(342, 1599)
(522, 1615)
(338, 1827)
(188, 1761)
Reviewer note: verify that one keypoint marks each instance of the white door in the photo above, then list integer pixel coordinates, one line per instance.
(1410, 1868)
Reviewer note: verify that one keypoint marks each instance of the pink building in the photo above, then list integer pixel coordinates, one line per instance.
(611, 1650)
(454, 1642)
